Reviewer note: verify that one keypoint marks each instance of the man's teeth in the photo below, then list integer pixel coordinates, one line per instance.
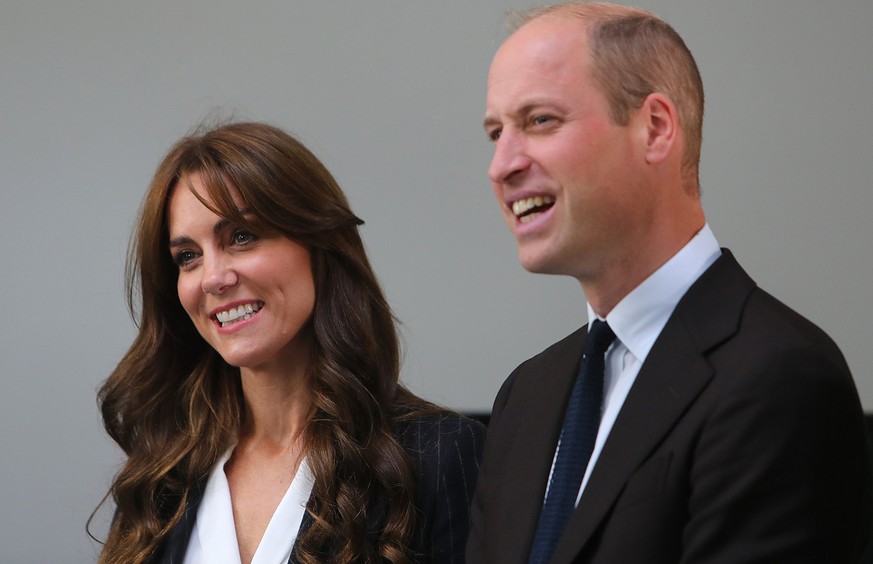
(522, 207)
(529, 217)
(240, 313)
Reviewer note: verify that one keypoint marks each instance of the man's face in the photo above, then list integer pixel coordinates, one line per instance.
(563, 172)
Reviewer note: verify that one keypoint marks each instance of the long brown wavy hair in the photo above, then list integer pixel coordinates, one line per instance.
(174, 406)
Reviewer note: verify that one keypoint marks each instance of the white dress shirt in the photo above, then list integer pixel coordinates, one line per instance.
(637, 320)
(213, 540)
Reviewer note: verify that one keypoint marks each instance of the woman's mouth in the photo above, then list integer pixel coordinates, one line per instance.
(239, 313)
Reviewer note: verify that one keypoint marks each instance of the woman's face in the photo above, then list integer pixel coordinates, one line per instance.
(249, 297)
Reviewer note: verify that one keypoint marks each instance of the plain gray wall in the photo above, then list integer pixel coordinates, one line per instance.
(390, 95)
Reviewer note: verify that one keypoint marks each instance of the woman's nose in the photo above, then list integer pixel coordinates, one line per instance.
(218, 275)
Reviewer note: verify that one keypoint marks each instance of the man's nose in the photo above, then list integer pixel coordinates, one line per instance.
(510, 158)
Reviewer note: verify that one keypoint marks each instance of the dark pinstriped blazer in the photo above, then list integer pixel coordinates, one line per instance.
(445, 451)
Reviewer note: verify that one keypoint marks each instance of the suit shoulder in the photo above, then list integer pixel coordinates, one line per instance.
(791, 323)
(768, 320)
(569, 345)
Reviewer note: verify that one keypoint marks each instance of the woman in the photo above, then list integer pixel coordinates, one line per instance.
(264, 377)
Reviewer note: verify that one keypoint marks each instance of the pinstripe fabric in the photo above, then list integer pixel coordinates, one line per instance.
(445, 450)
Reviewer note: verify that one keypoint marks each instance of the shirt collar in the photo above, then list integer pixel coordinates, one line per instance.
(639, 317)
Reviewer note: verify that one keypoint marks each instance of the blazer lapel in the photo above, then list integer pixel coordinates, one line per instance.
(674, 374)
(304, 525)
(176, 543)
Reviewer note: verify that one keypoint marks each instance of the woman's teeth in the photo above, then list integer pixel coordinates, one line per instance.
(240, 313)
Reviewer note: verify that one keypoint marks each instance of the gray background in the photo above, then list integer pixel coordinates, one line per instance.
(390, 95)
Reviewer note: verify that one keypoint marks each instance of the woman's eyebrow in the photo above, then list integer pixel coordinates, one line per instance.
(183, 240)
(180, 241)
(219, 226)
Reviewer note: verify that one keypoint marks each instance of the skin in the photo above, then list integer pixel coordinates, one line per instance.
(222, 265)
(619, 208)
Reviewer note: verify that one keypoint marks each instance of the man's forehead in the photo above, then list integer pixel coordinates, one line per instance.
(544, 44)
(550, 25)
(538, 55)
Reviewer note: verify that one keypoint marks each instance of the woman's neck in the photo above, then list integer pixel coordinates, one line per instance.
(277, 406)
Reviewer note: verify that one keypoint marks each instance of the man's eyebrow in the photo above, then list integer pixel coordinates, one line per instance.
(518, 113)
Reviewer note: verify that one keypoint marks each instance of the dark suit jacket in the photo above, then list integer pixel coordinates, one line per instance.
(742, 440)
(445, 451)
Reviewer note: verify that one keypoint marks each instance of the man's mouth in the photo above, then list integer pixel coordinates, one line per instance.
(239, 313)
(529, 209)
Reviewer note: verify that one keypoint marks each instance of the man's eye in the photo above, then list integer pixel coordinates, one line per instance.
(541, 120)
(494, 134)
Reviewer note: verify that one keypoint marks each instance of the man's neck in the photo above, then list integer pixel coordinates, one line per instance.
(621, 277)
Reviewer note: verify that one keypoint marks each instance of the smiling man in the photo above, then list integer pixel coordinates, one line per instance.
(705, 421)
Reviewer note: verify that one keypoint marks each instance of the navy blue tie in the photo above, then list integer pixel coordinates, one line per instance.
(581, 421)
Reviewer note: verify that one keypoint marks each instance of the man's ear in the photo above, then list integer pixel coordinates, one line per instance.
(661, 122)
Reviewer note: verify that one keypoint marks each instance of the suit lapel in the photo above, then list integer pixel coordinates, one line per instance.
(674, 374)
(544, 382)
(661, 393)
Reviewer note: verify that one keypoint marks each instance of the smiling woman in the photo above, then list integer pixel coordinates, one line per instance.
(259, 405)
(249, 297)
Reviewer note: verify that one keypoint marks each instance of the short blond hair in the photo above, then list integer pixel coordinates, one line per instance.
(633, 54)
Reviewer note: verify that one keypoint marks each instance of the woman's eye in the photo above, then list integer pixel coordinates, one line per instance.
(242, 237)
(184, 258)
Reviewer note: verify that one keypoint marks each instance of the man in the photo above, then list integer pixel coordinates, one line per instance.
(729, 428)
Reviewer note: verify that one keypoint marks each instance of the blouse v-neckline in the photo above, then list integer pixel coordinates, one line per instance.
(213, 540)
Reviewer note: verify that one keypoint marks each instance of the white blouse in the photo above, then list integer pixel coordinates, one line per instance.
(213, 540)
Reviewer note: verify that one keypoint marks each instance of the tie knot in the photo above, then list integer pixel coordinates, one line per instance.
(600, 336)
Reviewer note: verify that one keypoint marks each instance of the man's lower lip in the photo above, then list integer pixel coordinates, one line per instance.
(525, 219)
(532, 218)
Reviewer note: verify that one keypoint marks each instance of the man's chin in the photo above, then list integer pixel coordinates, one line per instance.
(538, 263)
